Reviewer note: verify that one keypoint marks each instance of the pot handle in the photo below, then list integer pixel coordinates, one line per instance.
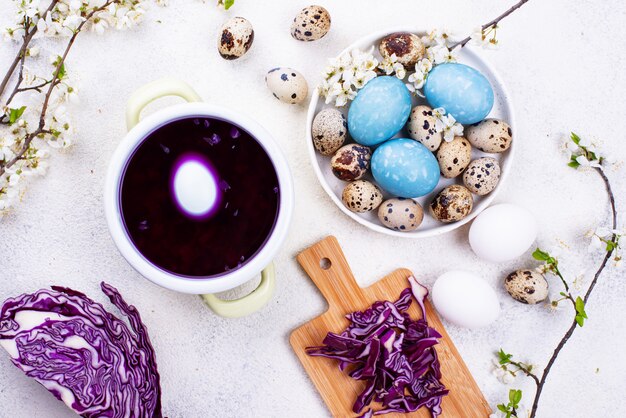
(155, 90)
(248, 304)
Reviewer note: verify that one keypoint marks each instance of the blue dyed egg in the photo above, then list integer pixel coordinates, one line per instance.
(462, 90)
(405, 168)
(379, 111)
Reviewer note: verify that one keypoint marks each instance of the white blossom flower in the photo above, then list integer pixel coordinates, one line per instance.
(437, 37)
(390, 65)
(346, 74)
(440, 54)
(485, 38)
(418, 78)
(447, 124)
(33, 51)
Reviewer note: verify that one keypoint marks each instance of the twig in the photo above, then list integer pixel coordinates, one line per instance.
(492, 23)
(22, 52)
(572, 327)
(54, 82)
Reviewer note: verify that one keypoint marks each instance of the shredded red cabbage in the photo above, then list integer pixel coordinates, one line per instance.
(84, 355)
(394, 354)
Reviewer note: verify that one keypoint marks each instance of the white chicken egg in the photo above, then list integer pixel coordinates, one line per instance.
(465, 299)
(502, 232)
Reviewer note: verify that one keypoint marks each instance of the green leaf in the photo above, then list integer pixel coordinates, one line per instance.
(610, 245)
(15, 114)
(504, 357)
(61, 71)
(581, 315)
(575, 138)
(228, 4)
(541, 255)
(502, 408)
(515, 396)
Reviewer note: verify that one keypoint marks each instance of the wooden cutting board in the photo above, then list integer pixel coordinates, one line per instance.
(325, 263)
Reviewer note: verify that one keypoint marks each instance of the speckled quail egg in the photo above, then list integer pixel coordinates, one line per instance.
(287, 85)
(351, 162)
(526, 286)
(490, 135)
(452, 204)
(329, 131)
(482, 175)
(235, 39)
(454, 156)
(407, 47)
(361, 196)
(401, 214)
(311, 24)
(421, 127)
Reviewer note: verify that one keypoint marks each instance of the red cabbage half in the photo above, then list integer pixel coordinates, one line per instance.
(394, 354)
(85, 356)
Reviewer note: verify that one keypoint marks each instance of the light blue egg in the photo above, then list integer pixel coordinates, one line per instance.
(379, 111)
(405, 168)
(462, 90)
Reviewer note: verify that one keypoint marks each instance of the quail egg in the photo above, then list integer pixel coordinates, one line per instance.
(452, 204)
(311, 24)
(401, 214)
(407, 47)
(482, 175)
(454, 156)
(351, 162)
(526, 286)
(287, 85)
(329, 131)
(421, 127)
(235, 39)
(361, 196)
(490, 135)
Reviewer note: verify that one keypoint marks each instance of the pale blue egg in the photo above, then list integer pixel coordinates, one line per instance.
(379, 111)
(405, 168)
(462, 90)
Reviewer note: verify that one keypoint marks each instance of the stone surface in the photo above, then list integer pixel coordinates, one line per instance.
(214, 367)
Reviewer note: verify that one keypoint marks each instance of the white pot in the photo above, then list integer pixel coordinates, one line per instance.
(260, 262)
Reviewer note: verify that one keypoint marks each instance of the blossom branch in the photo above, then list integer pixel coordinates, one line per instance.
(491, 24)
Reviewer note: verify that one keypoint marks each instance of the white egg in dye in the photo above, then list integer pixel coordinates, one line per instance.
(195, 188)
(465, 299)
(502, 232)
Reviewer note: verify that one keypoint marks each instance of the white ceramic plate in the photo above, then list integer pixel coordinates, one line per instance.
(502, 109)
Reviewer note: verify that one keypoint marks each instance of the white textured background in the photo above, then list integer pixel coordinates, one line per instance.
(563, 62)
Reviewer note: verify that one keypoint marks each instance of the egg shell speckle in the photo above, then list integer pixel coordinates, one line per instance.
(461, 90)
(311, 24)
(527, 286)
(361, 196)
(287, 85)
(421, 127)
(405, 168)
(482, 175)
(454, 156)
(452, 204)
(407, 47)
(236, 37)
(401, 214)
(379, 111)
(351, 162)
(329, 131)
(490, 135)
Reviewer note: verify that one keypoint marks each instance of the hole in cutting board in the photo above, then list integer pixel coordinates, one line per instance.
(325, 263)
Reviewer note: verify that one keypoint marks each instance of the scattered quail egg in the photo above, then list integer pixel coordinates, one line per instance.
(401, 214)
(526, 286)
(422, 127)
(235, 39)
(361, 196)
(490, 135)
(287, 85)
(482, 175)
(311, 24)
(452, 204)
(407, 47)
(351, 162)
(329, 131)
(454, 156)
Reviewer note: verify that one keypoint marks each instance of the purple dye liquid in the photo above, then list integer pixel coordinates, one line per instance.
(232, 233)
